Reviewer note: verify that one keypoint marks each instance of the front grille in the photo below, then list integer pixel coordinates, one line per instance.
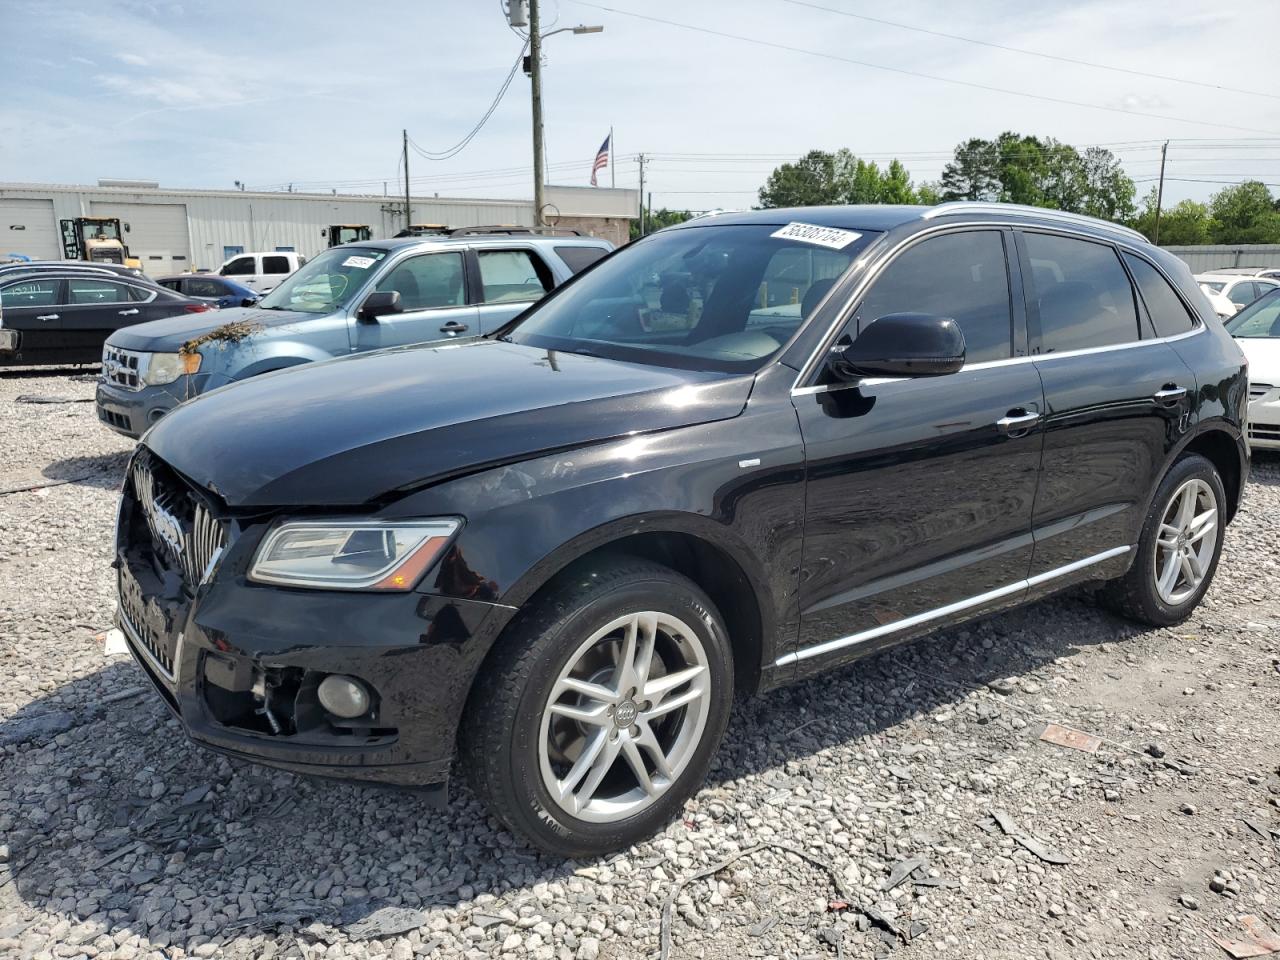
(122, 368)
(184, 534)
(113, 418)
(1259, 390)
(140, 631)
(1263, 431)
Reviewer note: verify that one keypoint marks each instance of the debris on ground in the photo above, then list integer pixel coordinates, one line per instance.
(45, 398)
(1073, 739)
(1259, 940)
(1041, 849)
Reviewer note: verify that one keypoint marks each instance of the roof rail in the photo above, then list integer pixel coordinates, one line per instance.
(953, 207)
(510, 229)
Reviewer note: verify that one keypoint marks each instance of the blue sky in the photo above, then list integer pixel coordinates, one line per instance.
(316, 93)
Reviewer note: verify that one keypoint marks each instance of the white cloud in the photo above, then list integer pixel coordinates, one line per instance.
(133, 59)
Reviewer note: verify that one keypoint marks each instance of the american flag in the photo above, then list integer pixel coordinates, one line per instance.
(602, 159)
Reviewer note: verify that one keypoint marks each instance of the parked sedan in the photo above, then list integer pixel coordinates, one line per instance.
(65, 316)
(1240, 290)
(1257, 331)
(215, 290)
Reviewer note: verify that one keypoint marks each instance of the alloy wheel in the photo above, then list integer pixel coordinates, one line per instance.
(1185, 542)
(624, 717)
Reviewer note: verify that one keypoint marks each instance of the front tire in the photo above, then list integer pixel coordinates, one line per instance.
(601, 711)
(1179, 548)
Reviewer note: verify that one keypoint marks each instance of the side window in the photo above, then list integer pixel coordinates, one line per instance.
(239, 267)
(1083, 294)
(1242, 293)
(959, 275)
(275, 264)
(140, 294)
(86, 290)
(204, 287)
(578, 259)
(29, 293)
(172, 284)
(512, 275)
(433, 280)
(1168, 313)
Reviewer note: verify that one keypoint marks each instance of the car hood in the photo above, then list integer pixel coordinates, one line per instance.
(168, 335)
(358, 429)
(1263, 354)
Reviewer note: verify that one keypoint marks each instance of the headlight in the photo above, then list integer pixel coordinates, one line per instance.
(351, 555)
(165, 368)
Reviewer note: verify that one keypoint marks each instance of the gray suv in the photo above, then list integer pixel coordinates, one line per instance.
(349, 299)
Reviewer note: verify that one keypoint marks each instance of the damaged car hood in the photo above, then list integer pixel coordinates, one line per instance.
(353, 430)
(168, 335)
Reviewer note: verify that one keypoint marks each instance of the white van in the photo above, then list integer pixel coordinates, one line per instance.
(262, 271)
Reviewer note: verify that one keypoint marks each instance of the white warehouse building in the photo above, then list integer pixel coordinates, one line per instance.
(172, 231)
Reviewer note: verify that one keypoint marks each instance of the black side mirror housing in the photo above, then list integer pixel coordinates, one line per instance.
(902, 345)
(249, 301)
(379, 304)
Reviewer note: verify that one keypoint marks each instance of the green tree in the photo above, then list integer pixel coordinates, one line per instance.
(1185, 223)
(1243, 213)
(895, 185)
(929, 194)
(974, 173)
(1108, 190)
(657, 219)
(810, 181)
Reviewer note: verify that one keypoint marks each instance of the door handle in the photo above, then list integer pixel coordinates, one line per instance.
(48, 316)
(129, 313)
(1018, 422)
(453, 326)
(1169, 395)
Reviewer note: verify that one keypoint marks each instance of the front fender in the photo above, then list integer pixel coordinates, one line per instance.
(737, 486)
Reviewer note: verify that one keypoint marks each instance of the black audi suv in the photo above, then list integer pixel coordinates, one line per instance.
(730, 456)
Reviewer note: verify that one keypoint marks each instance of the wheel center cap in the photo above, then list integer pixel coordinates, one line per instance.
(624, 715)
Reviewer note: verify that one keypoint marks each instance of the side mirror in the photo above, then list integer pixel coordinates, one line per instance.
(379, 303)
(250, 301)
(902, 345)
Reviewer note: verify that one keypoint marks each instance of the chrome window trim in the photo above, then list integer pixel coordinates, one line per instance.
(818, 649)
(855, 297)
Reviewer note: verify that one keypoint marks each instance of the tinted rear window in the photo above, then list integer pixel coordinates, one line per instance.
(578, 259)
(1083, 294)
(1169, 314)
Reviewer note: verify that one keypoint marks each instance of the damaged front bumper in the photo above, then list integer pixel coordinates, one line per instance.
(239, 664)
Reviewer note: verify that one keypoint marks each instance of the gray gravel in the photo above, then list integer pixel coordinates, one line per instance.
(119, 839)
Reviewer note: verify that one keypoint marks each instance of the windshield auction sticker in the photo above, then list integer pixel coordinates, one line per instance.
(364, 263)
(823, 236)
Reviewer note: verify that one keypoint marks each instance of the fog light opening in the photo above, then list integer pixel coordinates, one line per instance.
(344, 697)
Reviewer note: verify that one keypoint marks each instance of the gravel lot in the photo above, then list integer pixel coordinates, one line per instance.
(120, 839)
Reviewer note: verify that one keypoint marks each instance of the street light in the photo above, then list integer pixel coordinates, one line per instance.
(535, 75)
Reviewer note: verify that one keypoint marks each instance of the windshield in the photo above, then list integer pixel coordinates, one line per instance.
(1259, 319)
(327, 283)
(707, 298)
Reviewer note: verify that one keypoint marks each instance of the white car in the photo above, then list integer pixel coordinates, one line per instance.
(1223, 307)
(1240, 290)
(262, 271)
(1257, 331)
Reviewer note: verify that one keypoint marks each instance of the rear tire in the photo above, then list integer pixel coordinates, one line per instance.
(1179, 548)
(600, 712)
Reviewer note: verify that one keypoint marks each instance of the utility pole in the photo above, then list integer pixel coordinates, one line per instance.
(641, 158)
(535, 74)
(1155, 233)
(407, 211)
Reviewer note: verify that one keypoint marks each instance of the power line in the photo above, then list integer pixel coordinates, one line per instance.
(913, 73)
(461, 145)
(1032, 53)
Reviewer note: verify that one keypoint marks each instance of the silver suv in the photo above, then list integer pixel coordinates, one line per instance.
(349, 299)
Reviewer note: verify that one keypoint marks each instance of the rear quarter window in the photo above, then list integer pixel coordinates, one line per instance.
(578, 259)
(1169, 315)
